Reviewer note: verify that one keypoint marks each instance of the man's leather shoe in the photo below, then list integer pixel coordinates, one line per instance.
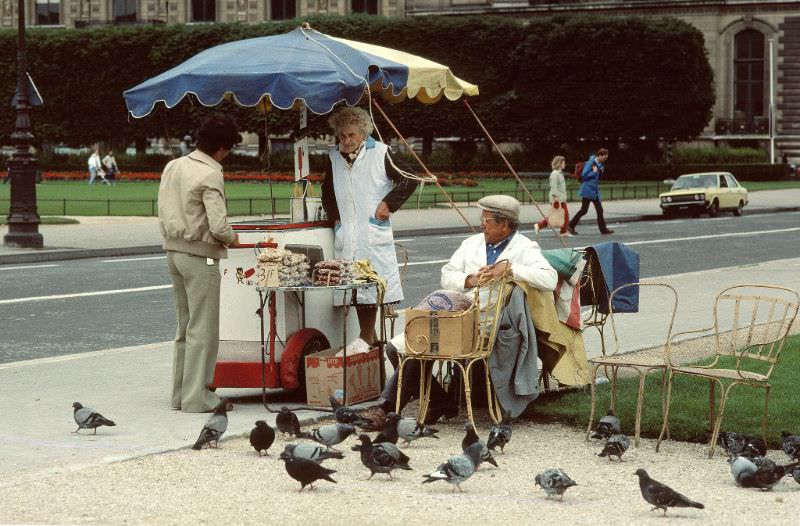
(572, 231)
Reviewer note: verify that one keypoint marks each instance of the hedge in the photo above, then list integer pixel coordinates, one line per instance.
(541, 80)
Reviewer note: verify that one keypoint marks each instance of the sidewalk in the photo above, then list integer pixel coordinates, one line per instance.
(130, 386)
(123, 236)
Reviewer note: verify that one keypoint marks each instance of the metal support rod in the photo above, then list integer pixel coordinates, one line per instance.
(771, 101)
(511, 168)
(422, 164)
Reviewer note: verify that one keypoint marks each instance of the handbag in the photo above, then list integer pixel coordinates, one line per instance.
(555, 218)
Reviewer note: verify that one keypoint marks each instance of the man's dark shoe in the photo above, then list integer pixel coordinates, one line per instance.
(572, 230)
(435, 413)
(606, 232)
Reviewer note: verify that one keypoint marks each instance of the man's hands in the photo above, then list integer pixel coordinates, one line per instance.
(382, 212)
(487, 273)
(235, 243)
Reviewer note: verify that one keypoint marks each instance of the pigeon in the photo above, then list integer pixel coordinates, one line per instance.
(381, 457)
(795, 474)
(287, 422)
(662, 496)
(472, 438)
(344, 414)
(372, 419)
(615, 446)
(306, 472)
(389, 432)
(261, 437)
(330, 434)
(762, 462)
(608, 425)
(791, 445)
(554, 482)
(500, 434)
(215, 426)
(741, 444)
(88, 418)
(309, 452)
(748, 474)
(410, 430)
(458, 468)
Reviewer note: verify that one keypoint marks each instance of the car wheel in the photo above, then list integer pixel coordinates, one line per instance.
(739, 210)
(713, 210)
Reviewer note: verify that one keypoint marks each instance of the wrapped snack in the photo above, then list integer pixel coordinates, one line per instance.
(445, 300)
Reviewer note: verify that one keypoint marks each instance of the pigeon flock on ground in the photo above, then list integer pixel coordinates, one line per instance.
(749, 465)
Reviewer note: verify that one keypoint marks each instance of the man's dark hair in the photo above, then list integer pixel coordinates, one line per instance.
(217, 131)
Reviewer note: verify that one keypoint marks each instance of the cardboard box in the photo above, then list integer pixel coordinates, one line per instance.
(324, 374)
(443, 332)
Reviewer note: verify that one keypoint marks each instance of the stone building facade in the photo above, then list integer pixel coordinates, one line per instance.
(80, 13)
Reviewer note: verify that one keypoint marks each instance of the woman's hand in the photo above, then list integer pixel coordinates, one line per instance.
(382, 212)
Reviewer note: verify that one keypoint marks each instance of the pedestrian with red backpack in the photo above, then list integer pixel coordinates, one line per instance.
(558, 198)
(593, 169)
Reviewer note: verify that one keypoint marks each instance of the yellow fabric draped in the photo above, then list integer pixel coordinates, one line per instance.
(560, 346)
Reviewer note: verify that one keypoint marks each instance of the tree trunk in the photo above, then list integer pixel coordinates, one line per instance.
(141, 145)
(427, 144)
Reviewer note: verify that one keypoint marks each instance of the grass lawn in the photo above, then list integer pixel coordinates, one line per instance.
(139, 198)
(689, 408)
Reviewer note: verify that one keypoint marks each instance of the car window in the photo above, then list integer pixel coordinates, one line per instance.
(723, 183)
(731, 181)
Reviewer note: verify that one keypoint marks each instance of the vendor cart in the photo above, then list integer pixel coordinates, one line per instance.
(300, 70)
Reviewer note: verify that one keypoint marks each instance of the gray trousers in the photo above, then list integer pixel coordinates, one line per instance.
(195, 287)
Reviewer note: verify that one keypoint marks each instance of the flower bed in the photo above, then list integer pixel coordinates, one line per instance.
(467, 179)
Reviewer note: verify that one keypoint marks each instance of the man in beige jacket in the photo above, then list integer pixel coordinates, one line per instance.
(194, 224)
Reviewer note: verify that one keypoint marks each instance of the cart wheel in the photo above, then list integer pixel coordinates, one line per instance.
(300, 344)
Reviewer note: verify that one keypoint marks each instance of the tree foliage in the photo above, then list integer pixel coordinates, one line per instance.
(541, 80)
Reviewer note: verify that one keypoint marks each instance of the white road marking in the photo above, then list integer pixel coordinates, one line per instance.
(431, 262)
(713, 236)
(404, 239)
(27, 267)
(83, 294)
(132, 259)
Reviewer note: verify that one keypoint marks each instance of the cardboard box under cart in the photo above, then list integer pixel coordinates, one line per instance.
(325, 372)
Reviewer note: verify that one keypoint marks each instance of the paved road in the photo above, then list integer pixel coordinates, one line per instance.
(66, 307)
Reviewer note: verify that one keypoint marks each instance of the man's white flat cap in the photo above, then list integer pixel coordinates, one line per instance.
(504, 205)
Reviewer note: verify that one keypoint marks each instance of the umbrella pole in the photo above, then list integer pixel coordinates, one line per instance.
(511, 168)
(422, 164)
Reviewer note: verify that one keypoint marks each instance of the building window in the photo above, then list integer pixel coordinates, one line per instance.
(124, 11)
(282, 9)
(748, 80)
(204, 10)
(48, 12)
(369, 7)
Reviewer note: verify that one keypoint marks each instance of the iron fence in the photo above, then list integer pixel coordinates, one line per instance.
(280, 205)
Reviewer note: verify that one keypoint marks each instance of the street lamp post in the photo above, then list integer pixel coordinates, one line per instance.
(23, 219)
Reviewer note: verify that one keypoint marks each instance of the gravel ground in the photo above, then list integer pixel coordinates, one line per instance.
(233, 485)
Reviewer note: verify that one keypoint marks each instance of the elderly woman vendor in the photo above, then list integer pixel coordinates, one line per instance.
(359, 193)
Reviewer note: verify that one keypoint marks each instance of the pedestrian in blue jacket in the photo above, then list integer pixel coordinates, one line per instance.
(590, 191)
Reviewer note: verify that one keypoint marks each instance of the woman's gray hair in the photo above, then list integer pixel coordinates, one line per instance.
(351, 116)
(556, 162)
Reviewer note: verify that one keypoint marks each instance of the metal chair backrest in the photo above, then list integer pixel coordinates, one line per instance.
(751, 322)
(490, 299)
(667, 302)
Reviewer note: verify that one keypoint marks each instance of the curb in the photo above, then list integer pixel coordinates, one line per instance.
(88, 253)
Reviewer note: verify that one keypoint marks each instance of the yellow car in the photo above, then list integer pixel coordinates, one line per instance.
(704, 192)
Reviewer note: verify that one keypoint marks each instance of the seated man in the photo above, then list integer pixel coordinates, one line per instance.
(482, 257)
